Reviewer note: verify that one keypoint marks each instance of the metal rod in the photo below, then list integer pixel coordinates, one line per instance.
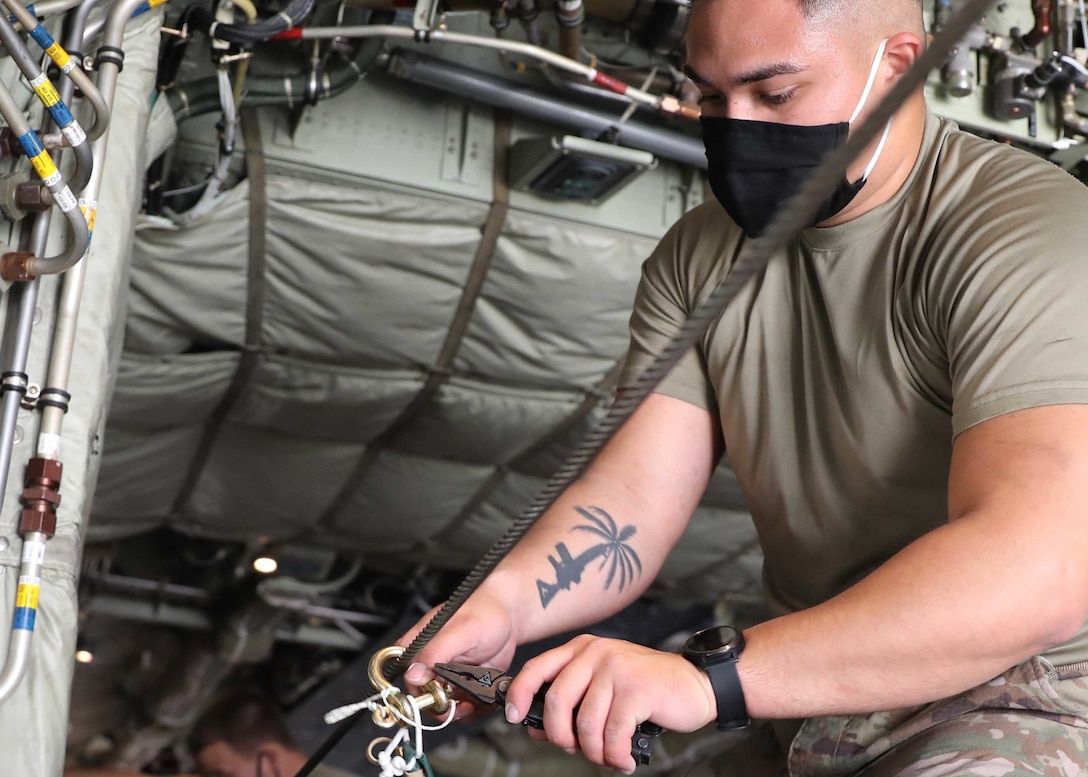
(498, 92)
(22, 629)
(54, 103)
(68, 66)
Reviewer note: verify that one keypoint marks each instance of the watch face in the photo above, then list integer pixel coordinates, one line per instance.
(713, 640)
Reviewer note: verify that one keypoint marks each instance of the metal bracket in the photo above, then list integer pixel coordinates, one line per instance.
(30, 399)
(423, 18)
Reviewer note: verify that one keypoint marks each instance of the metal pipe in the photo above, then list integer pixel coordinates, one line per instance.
(67, 65)
(1072, 121)
(23, 266)
(26, 608)
(110, 59)
(48, 8)
(1041, 31)
(44, 470)
(570, 14)
(472, 84)
(57, 106)
(664, 103)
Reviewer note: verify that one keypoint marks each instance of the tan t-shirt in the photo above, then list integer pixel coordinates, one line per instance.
(844, 371)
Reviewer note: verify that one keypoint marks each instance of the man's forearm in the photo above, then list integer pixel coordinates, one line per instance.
(953, 610)
(587, 558)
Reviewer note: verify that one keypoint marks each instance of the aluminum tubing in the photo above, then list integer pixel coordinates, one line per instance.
(465, 82)
(60, 360)
(17, 330)
(19, 644)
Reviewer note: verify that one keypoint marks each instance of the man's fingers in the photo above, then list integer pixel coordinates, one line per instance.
(592, 714)
(534, 674)
(565, 694)
(618, 731)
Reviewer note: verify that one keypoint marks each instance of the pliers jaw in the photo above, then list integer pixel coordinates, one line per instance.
(484, 684)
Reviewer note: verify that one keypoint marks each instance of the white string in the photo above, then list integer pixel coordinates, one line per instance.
(871, 81)
(394, 765)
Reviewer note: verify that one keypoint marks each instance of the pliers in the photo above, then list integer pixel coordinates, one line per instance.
(489, 686)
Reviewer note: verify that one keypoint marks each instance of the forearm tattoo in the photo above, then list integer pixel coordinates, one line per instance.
(620, 558)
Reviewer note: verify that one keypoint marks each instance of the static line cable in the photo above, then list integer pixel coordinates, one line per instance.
(47, 93)
(793, 217)
(68, 67)
(664, 103)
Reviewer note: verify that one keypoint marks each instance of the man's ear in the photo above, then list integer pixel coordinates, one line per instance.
(902, 51)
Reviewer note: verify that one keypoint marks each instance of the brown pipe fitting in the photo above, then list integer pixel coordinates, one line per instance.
(10, 147)
(15, 266)
(33, 197)
(41, 496)
(674, 107)
(1043, 11)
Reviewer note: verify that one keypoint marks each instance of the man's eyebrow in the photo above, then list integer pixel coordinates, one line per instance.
(763, 72)
(690, 72)
(755, 75)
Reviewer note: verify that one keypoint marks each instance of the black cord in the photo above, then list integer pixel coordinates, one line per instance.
(795, 216)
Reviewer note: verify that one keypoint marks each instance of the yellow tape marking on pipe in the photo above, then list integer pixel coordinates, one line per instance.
(90, 212)
(59, 56)
(27, 596)
(46, 92)
(43, 166)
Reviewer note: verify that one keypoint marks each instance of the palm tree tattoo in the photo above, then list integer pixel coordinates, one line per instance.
(614, 552)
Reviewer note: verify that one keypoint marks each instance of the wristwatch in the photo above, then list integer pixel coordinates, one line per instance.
(715, 651)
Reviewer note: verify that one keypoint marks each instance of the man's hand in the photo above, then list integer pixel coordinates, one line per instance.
(481, 633)
(615, 685)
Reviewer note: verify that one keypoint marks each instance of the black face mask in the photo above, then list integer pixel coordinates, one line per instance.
(754, 167)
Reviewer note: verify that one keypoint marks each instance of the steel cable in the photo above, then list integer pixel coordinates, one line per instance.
(795, 216)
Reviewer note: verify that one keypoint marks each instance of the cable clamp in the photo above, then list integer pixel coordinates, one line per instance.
(110, 55)
(54, 397)
(14, 381)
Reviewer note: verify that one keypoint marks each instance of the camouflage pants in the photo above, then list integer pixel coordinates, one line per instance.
(1032, 720)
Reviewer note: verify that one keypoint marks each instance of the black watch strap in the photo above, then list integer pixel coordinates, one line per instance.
(732, 711)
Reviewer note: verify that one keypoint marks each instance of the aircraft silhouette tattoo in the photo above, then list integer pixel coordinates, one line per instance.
(614, 552)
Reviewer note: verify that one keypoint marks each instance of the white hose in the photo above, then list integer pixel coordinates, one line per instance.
(207, 200)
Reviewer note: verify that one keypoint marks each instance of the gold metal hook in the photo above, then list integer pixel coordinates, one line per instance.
(436, 696)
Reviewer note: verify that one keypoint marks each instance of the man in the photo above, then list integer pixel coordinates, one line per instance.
(904, 397)
(242, 734)
(245, 735)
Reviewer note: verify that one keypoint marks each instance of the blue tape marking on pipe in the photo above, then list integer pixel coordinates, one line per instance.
(24, 618)
(61, 115)
(42, 37)
(31, 144)
(142, 8)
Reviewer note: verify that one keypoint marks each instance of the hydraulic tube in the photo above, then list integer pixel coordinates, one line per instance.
(570, 14)
(474, 85)
(67, 65)
(17, 332)
(23, 266)
(51, 99)
(664, 103)
(1041, 31)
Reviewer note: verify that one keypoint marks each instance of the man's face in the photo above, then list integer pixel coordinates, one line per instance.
(221, 760)
(763, 61)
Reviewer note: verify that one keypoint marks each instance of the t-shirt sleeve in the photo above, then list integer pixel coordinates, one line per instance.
(662, 304)
(1016, 312)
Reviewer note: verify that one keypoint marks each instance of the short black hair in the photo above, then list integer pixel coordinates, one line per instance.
(243, 719)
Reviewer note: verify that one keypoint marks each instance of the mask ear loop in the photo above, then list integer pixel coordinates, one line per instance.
(869, 83)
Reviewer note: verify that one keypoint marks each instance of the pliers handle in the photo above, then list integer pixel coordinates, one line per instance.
(490, 685)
